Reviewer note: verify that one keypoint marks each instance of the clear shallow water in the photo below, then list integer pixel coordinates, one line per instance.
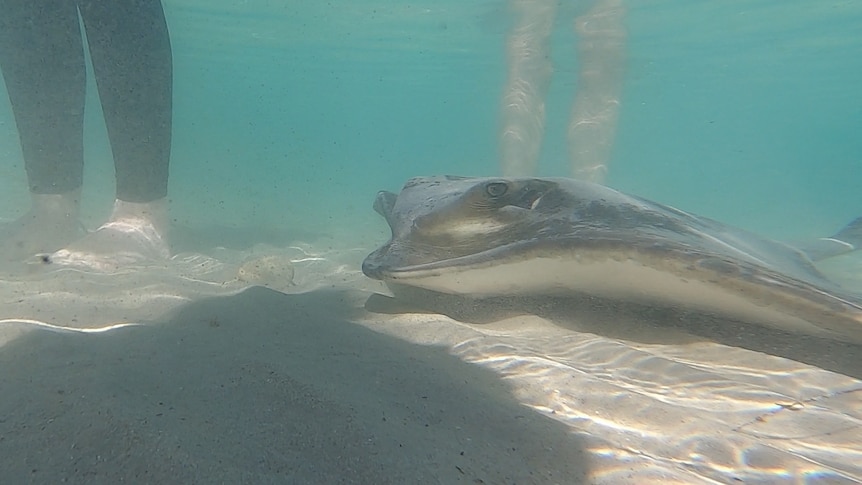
(288, 113)
(291, 115)
(744, 111)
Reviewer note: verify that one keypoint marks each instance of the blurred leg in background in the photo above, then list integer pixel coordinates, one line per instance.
(600, 41)
(529, 62)
(601, 46)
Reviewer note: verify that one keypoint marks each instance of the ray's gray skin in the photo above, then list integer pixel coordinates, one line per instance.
(490, 237)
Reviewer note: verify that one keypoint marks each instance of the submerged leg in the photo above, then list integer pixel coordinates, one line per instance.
(131, 54)
(132, 62)
(42, 59)
(601, 51)
(529, 64)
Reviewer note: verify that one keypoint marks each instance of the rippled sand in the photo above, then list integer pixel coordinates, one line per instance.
(271, 364)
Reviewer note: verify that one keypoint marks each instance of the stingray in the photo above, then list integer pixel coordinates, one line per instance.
(555, 237)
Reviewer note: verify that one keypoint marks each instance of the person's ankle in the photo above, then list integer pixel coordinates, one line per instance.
(154, 213)
(56, 206)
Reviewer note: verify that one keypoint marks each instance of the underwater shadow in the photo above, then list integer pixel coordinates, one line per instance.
(629, 321)
(264, 387)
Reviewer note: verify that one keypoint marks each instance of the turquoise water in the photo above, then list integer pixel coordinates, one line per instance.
(289, 117)
(293, 113)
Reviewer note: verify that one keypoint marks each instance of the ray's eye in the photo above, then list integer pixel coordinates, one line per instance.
(496, 189)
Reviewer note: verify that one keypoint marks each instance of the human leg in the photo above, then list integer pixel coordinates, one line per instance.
(528, 78)
(601, 51)
(132, 62)
(42, 60)
(131, 53)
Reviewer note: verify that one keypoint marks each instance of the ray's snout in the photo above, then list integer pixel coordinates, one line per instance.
(371, 266)
(383, 205)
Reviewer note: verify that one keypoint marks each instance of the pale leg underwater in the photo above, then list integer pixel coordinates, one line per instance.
(601, 38)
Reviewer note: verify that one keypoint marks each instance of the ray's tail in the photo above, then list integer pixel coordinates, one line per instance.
(846, 240)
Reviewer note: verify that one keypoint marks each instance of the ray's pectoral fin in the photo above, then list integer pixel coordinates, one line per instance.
(846, 240)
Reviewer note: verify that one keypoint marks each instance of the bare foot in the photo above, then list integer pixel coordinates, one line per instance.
(51, 223)
(136, 233)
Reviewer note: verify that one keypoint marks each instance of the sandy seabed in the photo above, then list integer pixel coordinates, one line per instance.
(277, 365)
